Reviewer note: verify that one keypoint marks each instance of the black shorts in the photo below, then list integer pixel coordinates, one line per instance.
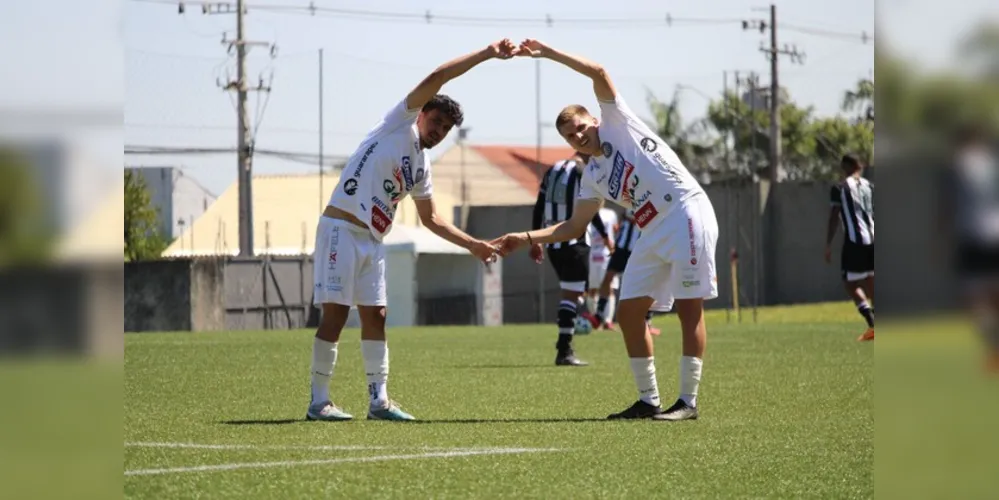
(856, 259)
(618, 260)
(571, 263)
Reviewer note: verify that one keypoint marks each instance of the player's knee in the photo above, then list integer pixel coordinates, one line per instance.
(331, 323)
(372, 317)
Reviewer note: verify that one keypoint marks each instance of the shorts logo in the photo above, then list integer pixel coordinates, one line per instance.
(620, 175)
(407, 173)
(333, 257)
(691, 283)
(645, 214)
(648, 144)
(350, 186)
(693, 246)
(607, 149)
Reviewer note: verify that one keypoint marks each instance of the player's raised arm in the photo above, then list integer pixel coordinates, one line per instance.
(428, 88)
(602, 85)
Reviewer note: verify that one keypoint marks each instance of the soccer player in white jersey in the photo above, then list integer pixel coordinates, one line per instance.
(600, 255)
(675, 257)
(349, 265)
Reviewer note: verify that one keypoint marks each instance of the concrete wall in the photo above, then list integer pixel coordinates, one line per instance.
(174, 295)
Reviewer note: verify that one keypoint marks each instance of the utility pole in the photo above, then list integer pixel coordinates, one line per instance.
(244, 140)
(537, 153)
(322, 191)
(774, 53)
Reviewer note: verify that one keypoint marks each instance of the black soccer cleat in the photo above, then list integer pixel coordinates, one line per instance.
(568, 358)
(679, 411)
(640, 409)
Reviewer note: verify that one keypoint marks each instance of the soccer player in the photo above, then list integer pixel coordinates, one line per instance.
(556, 202)
(853, 204)
(675, 257)
(349, 267)
(601, 250)
(627, 235)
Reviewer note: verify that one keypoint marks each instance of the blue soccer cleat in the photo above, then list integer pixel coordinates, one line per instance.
(389, 412)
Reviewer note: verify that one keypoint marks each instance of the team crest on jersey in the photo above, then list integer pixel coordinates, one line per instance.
(607, 149)
(407, 173)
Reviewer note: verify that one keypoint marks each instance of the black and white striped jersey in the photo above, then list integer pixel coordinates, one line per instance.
(557, 198)
(855, 198)
(627, 234)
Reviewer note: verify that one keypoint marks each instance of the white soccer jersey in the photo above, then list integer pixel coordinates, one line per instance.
(597, 245)
(388, 166)
(637, 170)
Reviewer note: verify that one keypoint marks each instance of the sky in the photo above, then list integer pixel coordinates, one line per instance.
(166, 78)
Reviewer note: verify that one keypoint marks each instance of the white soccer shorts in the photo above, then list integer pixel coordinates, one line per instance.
(598, 269)
(348, 266)
(676, 259)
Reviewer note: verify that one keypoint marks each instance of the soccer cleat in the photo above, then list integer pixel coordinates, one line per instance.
(591, 318)
(640, 409)
(389, 412)
(566, 357)
(868, 335)
(679, 411)
(327, 411)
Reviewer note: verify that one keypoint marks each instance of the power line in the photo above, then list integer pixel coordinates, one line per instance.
(650, 20)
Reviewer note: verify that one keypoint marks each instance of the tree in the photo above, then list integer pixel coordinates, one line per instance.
(689, 142)
(26, 234)
(142, 237)
(860, 98)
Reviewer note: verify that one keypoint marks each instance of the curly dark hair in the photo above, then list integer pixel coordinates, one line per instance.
(446, 106)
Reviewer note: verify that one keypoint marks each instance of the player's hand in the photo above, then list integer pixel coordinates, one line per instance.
(483, 251)
(532, 48)
(510, 242)
(537, 253)
(503, 49)
(828, 255)
(610, 246)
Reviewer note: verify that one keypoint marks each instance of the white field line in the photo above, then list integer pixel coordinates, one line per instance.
(200, 446)
(291, 463)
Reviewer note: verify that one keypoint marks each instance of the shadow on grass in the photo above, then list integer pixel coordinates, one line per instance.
(437, 421)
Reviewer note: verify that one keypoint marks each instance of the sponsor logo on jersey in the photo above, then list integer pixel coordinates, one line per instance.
(668, 198)
(364, 158)
(645, 214)
(648, 144)
(380, 220)
(407, 173)
(350, 186)
(420, 173)
(620, 175)
(607, 149)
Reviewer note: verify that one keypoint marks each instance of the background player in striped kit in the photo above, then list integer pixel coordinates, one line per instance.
(571, 259)
(627, 235)
(601, 250)
(853, 204)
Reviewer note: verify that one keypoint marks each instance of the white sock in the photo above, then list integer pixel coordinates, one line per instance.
(376, 367)
(644, 370)
(611, 306)
(690, 377)
(323, 361)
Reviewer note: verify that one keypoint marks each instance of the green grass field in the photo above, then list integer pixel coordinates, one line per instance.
(786, 412)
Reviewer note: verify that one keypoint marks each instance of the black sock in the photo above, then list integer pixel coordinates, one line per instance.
(566, 322)
(865, 310)
(601, 308)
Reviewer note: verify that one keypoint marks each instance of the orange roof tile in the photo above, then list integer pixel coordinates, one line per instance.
(520, 162)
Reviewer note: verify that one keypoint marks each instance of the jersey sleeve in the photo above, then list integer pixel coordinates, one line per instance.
(397, 117)
(587, 189)
(834, 196)
(423, 188)
(617, 111)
